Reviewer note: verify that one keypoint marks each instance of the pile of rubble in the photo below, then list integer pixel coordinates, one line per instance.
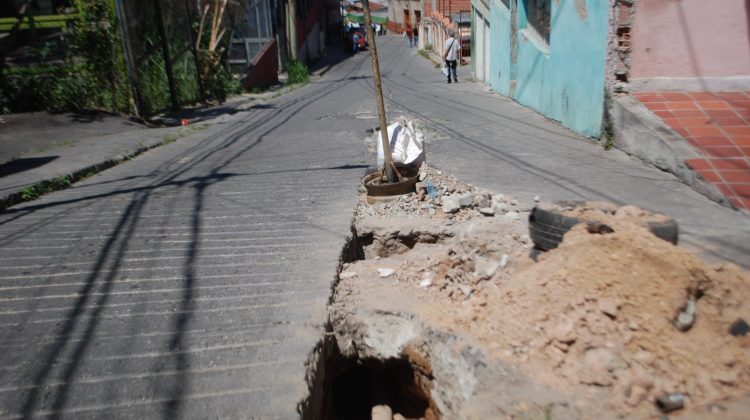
(444, 197)
(622, 323)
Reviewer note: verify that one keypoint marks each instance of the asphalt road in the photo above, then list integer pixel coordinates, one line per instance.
(192, 282)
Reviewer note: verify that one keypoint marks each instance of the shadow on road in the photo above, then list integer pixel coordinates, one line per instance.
(61, 361)
(24, 164)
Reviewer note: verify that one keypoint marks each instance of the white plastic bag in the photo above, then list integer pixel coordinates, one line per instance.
(407, 144)
(445, 70)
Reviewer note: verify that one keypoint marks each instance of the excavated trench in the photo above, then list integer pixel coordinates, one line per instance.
(348, 384)
(384, 348)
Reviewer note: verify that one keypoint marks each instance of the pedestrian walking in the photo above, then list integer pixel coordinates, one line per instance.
(355, 42)
(378, 29)
(416, 36)
(409, 35)
(451, 55)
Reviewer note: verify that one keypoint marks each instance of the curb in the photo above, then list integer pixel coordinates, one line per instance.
(64, 181)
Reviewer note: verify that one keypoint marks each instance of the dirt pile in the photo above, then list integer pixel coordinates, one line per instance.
(615, 321)
(599, 312)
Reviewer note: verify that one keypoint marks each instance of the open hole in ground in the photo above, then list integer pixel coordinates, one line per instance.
(377, 241)
(348, 388)
(360, 385)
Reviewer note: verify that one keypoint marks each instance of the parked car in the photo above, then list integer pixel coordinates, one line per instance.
(349, 39)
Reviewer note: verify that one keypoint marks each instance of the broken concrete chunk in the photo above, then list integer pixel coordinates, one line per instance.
(739, 328)
(422, 176)
(499, 204)
(670, 402)
(686, 317)
(486, 268)
(608, 307)
(385, 272)
(347, 275)
(451, 203)
(381, 412)
(487, 211)
(503, 260)
(466, 200)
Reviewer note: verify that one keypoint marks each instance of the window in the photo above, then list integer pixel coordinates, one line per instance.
(538, 18)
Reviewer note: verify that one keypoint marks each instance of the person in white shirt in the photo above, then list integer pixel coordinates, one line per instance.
(451, 54)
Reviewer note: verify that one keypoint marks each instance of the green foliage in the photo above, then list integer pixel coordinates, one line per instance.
(84, 67)
(96, 42)
(54, 88)
(297, 72)
(33, 192)
(81, 70)
(232, 86)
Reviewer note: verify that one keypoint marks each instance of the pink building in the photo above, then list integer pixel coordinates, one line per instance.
(689, 45)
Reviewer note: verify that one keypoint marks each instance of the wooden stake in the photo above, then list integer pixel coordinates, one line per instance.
(379, 94)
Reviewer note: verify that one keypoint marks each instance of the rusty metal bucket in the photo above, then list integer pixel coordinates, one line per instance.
(406, 184)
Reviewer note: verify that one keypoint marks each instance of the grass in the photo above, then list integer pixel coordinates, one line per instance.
(298, 73)
(33, 192)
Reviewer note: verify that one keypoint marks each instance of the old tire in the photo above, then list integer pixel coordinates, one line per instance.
(547, 228)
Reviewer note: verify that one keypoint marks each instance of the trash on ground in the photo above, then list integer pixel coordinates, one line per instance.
(407, 144)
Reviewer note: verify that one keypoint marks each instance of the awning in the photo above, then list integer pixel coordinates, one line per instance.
(361, 19)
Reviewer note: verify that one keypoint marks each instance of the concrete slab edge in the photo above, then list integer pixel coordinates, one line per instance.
(639, 133)
(688, 84)
(66, 180)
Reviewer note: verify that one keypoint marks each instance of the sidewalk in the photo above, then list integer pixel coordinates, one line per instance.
(718, 126)
(708, 146)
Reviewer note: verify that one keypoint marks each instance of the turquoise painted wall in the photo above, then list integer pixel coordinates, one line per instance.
(563, 80)
(499, 74)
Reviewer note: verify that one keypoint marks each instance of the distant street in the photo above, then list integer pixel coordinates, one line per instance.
(192, 281)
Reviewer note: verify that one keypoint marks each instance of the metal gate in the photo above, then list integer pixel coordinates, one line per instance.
(250, 36)
(158, 44)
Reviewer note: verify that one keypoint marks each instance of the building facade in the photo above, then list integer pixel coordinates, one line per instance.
(563, 57)
(548, 55)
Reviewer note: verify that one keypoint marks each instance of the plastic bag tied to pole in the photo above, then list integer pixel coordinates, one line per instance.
(407, 144)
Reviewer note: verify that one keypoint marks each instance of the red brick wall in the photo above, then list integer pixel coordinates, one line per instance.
(264, 70)
(454, 6)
